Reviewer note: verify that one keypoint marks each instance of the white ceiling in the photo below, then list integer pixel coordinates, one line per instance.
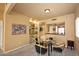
(36, 10)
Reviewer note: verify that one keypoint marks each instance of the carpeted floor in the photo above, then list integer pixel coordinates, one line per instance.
(30, 51)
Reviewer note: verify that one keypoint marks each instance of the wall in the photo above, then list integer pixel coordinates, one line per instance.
(69, 27)
(77, 11)
(57, 38)
(1, 16)
(1, 33)
(77, 39)
(2, 8)
(15, 41)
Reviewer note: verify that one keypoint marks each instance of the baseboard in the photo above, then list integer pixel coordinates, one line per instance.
(15, 49)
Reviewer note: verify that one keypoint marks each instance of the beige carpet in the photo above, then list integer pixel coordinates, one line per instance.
(30, 51)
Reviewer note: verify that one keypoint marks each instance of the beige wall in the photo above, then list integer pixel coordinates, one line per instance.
(15, 41)
(77, 11)
(1, 17)
(57, 38)
(69, 27)
(77, 39)
(2, 8)
(77, 45)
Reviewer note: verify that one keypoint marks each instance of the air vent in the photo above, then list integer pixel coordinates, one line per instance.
(53, 19)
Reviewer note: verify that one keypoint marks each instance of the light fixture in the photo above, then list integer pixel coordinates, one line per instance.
(47, 10)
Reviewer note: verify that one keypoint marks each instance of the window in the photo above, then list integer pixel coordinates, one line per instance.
(77, 27)
(61, 30)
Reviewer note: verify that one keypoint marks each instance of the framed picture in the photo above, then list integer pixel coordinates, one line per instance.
(18, 29)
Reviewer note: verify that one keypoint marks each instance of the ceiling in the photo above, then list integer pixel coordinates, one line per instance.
(36, 10)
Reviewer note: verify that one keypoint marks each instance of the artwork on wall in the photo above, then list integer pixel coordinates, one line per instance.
(18, 29)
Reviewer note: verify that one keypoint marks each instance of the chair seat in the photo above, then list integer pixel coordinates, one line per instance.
(40, 50)
(58, 49)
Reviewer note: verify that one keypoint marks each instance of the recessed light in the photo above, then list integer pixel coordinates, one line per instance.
(47, 10)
